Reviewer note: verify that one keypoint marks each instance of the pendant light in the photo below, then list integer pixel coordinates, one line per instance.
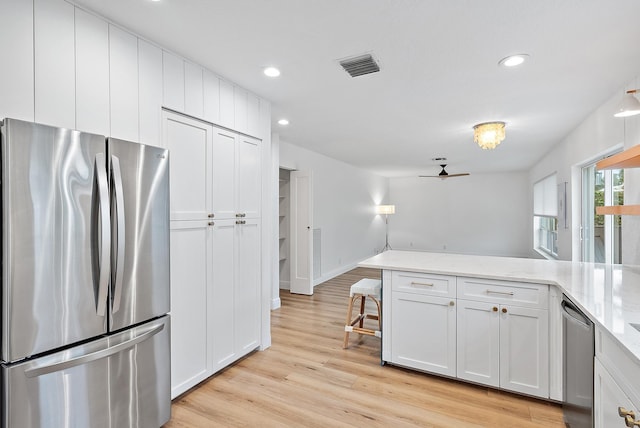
(629, 106)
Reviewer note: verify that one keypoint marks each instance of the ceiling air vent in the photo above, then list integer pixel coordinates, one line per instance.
(360, 65)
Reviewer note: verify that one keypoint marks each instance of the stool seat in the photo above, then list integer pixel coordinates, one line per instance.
(367, 287)
(362, 289)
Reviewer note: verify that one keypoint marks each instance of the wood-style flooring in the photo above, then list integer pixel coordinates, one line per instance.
(306, 379)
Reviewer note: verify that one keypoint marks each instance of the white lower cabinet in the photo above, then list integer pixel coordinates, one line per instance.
(504, 346)
(608, 397)
(616, 387)
(423, 332)
(478, 342)
(490, 332)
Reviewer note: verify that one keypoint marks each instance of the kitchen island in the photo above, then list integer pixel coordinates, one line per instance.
(448, 297)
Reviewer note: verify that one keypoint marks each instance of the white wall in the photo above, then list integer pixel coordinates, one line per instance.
(344, 200)
(596, 135)
(479, 214)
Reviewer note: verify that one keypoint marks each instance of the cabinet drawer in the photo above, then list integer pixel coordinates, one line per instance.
(504, 292)
(623, 367)
(423, 283)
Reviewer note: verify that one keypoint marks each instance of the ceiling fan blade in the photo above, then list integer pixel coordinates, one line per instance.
(444, 176)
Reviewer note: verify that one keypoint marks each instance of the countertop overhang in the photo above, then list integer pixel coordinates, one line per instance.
(608, 294)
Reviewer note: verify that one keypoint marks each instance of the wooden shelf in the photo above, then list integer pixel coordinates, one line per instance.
(626, 159)
(619, 210)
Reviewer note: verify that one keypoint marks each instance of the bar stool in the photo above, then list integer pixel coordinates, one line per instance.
(361, 290)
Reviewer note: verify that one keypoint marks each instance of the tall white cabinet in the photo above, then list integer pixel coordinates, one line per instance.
(215, 247)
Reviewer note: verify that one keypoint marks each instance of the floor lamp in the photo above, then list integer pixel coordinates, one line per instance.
(386, 210)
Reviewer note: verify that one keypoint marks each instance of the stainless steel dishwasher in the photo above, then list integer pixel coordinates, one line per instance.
(578, 350)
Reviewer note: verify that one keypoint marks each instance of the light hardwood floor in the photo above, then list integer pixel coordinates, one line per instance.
(306, 379)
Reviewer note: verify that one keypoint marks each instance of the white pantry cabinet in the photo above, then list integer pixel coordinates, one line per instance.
(236, 175)
(55, 83)
(173, 81)
(193, 90)
(222, 310)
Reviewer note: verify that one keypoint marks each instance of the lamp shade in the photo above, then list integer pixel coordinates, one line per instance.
(386, 209)
(629, 106)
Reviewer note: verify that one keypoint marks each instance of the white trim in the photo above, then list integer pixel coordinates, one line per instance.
(334, 273)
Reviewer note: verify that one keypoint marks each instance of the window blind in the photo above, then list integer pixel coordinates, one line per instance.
(545, 197)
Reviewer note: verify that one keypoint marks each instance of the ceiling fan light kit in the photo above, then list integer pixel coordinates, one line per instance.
(488, 134)
(629, 106)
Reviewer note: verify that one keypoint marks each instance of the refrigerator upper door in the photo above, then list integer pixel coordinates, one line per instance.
(55, 238)
(140, 239)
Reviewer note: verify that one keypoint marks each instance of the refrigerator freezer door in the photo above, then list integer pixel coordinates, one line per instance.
(140, 206)
(52, 232)
(117, 381)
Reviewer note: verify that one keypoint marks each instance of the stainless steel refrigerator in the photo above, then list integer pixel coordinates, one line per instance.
(85, 280)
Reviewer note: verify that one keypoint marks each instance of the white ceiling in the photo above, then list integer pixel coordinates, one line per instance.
(439, 72)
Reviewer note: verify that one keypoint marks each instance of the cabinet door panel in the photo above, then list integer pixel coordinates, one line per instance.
(432, 349)
(173, 81)
(193, 90)
(92, 73)
(253, 116)
(524, 350)
(227, 109)
(16, 74)
(190, 145)
(249, 176)
(240, 107)
(190, 253)
(608, 396)
(224, 174)
(55, 82)
(150, 87)
(223, 300)
(247, 295)
(211, 97)
(478, 339)
(123, 84)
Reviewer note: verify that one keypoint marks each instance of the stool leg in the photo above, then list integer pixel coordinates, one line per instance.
(362, 302)
(348, 322)
(379, 314)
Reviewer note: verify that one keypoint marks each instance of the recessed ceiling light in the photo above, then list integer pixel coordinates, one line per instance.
(513, 60)
(283, 122)
(272, 72)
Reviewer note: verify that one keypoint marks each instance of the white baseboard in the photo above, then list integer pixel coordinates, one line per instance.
(285, 285)
(339, 271)
(275, 303)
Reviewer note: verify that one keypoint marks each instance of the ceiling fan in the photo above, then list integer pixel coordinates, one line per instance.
(444, 174)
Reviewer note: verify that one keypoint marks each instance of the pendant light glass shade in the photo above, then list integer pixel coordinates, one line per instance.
(489, 134)
(629, 106)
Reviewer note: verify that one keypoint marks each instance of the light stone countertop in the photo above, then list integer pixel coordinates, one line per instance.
(608, 294)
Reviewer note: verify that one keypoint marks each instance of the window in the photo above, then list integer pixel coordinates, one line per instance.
(601, 235)
(545, 217)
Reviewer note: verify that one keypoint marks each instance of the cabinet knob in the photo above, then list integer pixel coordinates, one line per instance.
(630, 422)
(452, 303)
(210, 215)
(238, 215)
(494, 309)
(504, 310)
(211, 223)
(624, 412)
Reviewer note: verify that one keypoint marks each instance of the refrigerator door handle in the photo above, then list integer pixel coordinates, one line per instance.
(118, 258)
(104, 239)
(103, 353)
